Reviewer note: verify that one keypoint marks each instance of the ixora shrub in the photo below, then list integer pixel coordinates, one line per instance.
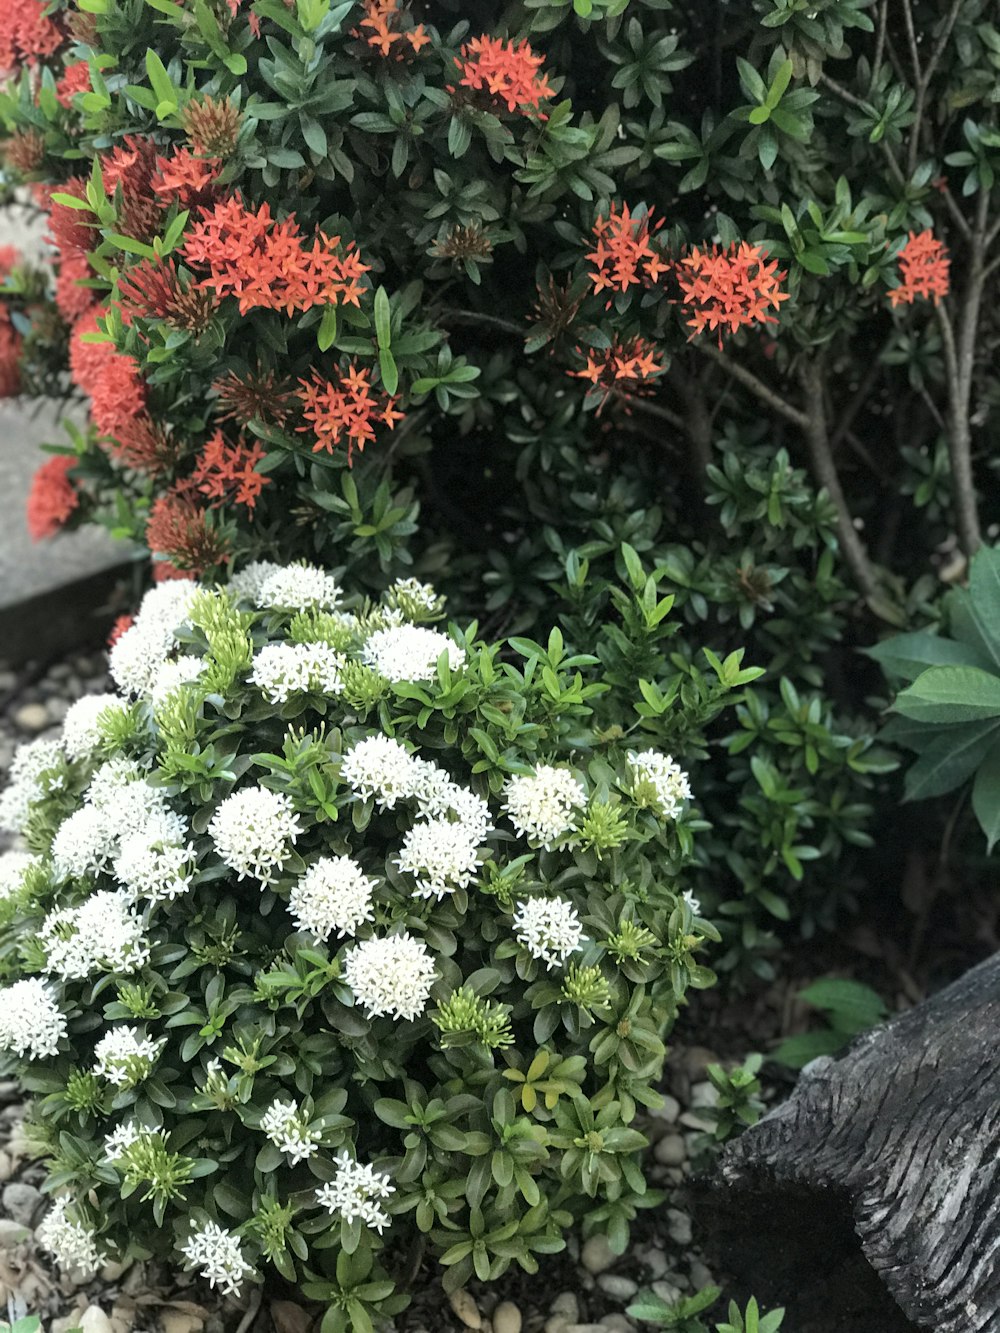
(337, 932)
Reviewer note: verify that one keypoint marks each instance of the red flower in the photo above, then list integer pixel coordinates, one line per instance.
(122, 624)
(165, 572)
(71, 228)
(130, 167)
(152, 289)
(10, 355)
(226, 472)
(187, 179)
(75, 79)
(52, 499)
(10, 257)
(729, 289)
(386, 20)
(923, 265)
(622, 370)
(346, 408)
(265, 264)
(506, 71)
(88, 359)
(623, 256)
(72, 299)
(25, 152)
(143, 445)
(179, 529)
(259, 395)
(118, 394)
(26, 33)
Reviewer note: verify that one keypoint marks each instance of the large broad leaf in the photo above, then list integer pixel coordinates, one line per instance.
(963, 624)
(951, 694)
(851, 1005)
(907, 655)
(950, 758)
(986, 798)
(984, 597)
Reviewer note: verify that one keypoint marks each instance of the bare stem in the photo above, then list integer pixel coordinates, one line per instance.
(650, 409)
(924, 79)
(757, 387)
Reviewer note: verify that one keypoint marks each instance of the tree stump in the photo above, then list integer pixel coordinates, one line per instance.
(883, 1162)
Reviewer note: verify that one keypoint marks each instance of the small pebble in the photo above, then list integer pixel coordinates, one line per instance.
(94, 1320)
(678, 1226)
(31, 717)
(464, 1305)
(57, 709)
(667, 1292)
(176, 1321)
(123, 1317)
(696, 1059)
(617, 1321)
(20, 1202)
(6, 1166)
(65, 1322)
(557, 1323)
(691, 1121)
(700, 1275)
(113, 1270)
(566, 1304)
(669, 1111)
(704, 1095)
(597, 1254)
(11, 1233)
(620, 1288)
(506, 1318)
(671, 1150)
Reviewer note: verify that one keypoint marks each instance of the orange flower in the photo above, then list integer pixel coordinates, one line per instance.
(152, 289)
(386, 21)
(623, 256)
(72, 299)
(88, 359)
(10, 257)
(729, 289)
(26, 33)
(10, 354)
(506, 71)
(258, 395)
(143, 445)
(180, 530)
(923, 264)
(122, 624)
(226, 472)
(118, 394)
(622, 370)
(75, 79)
(52, 498)
(130, 166)
(25, 151)
(187, 179)
(345, 408)
(71, 228)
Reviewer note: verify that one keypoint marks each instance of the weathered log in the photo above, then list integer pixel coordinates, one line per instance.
(885, 1161)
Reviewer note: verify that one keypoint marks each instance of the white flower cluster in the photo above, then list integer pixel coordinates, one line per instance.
(391, 974)
(121, 1138)
(287, 1130)
(24, 781)
(101, 934)
(354, 1193)
(283, 669)
(119, 801)
(333, 895)
(286, 587)
(135, 660)
(125, 1057)
(73, 1244)
(13, 866)
(156, 862)
(382, 768)
(83, 843)
(414, 597)
(549, 929)
(541, 805)
(440, 855)
(31, 1021)
(81, 732)
(183, 670)
(659, 782)
(410, 652)
(218, 1255)
(252, 830)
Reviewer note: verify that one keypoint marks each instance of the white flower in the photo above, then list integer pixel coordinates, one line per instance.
(658, 782)
(172, 675)
(84, 843)
(121, 1138)
(136, 658)
(120, 790)
(155, 862)
(549, 929)
(73, 1244)
(29, 763)
(219, 1257)
(124, 1057)
(390, 975)
(383, 768)
(252, 829)
(286, 1129)
(81, 732)
(246, 583)
(692, 902)
(441, 857)
(437, 794)
(354, 1191)
(333, 895)
(414, 598)
(13, 866)
(541, 806)
(30, 1020)
(283, 669)
(296, 587)
(410, 652)
(101, 934)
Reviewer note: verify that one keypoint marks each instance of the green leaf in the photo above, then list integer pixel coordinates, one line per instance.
(796, 1052)
(907, 655)
(855, 1006)
(984, 597)
(389, 371)
(951, 694)
(159, 79)
(949, 759)
(383, 319)
(986, 798)
(326, 335)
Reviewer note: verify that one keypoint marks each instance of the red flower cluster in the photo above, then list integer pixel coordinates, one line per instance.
(26, 33)
(729, 289)
(623, 369)
(122, 624)
(117, 396)
(188, 179)
(180, 530)
(143, 445)
(131, 165)
(52, 498)
(72, 299)
(10, 257)
(623, 256)
(10, 354)
(345, 408)
(87, 359)
(385, 19)
(507, 71)
(69, 228)
(258, 395)
(923, 266)
(270, 265)
(152, 289)
(226, 472)
(75, 79)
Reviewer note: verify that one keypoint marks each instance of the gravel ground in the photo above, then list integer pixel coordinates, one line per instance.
(592, 1286)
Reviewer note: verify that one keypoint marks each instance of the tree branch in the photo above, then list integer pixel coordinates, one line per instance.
(757, 387)
(879, 44)
(958, 217)
(651, 409)
(924, 79)
(851, 99)
(452, 316)
(857, 399)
